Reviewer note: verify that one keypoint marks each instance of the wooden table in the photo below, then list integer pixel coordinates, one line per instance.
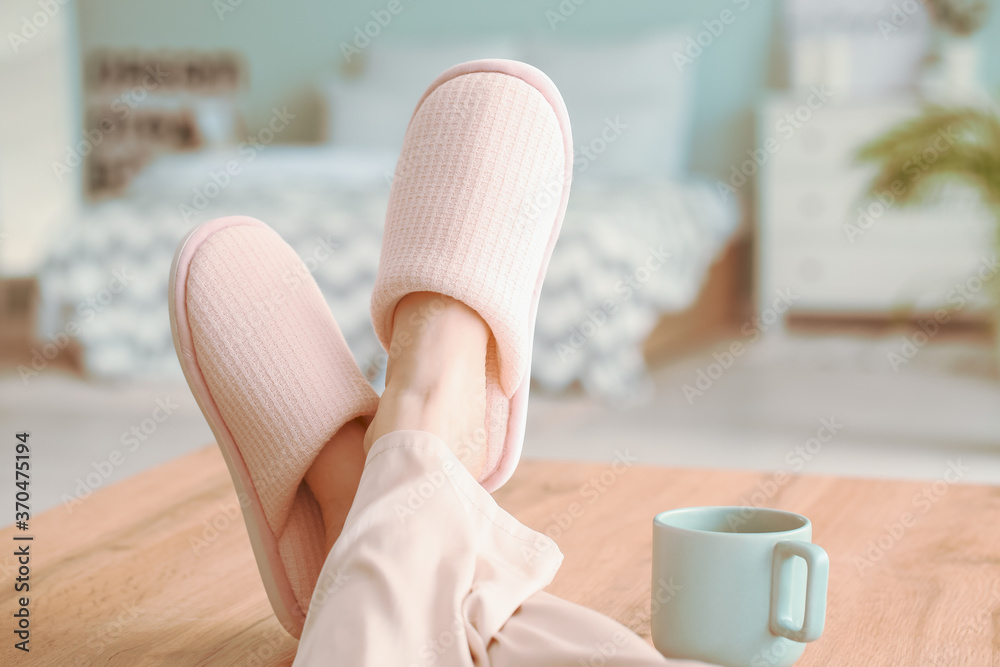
(158, 569)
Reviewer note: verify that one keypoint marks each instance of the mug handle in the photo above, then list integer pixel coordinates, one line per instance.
(818, 568)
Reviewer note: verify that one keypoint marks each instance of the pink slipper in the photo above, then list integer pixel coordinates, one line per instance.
(476, 205)
(275, 379)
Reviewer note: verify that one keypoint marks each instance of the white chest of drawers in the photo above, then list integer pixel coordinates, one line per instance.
(836, 253)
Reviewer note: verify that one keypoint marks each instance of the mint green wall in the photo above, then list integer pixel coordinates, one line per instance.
(291, 45)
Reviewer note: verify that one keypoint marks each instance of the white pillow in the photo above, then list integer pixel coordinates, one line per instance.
(625, 99)
(187, 174)
(373, 109)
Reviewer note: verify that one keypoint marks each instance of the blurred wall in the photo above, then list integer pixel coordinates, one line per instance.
(292, 45)
(39, 96)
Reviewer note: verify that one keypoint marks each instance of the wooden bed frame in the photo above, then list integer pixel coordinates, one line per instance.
(724, 303)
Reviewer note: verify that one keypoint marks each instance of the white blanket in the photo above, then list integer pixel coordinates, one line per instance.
(627, 253)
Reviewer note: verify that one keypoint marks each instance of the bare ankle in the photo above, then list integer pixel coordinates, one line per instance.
(334, 476)
(436, 376)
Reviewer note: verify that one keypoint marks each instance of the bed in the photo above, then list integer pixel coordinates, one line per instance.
(639, 237)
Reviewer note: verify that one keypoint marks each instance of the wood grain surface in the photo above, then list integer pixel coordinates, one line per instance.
(158, 569)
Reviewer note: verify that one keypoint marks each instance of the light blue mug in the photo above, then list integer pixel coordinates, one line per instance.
(736, 586)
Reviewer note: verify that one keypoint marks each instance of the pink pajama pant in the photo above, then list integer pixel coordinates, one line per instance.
(430, 571)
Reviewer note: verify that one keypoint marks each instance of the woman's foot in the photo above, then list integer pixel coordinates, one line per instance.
(335, 474)
(476, 218)
(279, 387)
(435, 380)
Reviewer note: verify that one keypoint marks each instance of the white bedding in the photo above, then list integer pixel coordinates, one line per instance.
(321, 198)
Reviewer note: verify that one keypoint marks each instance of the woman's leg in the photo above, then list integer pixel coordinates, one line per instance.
(425, 568)
(435, 382)
(335, 474)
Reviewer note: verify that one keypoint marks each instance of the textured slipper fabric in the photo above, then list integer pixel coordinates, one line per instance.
(475, 207)
(275, 379)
